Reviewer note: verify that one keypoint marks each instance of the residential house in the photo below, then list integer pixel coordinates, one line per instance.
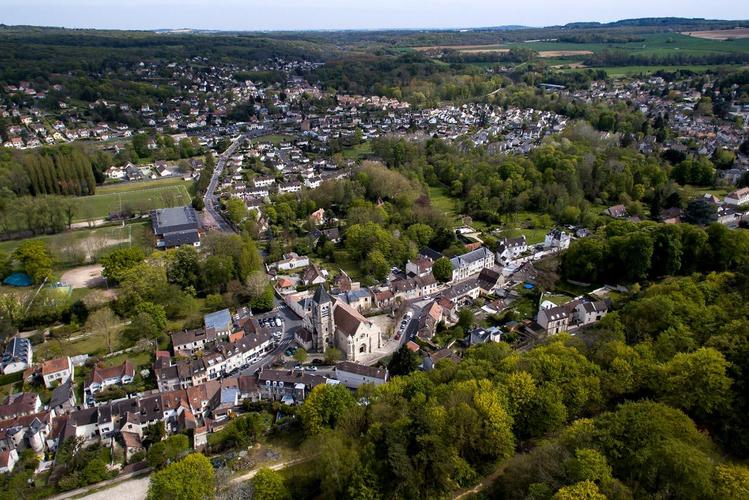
(20, 405)
(17, 356)
(314, 275)
(553, 319)
(57, 371)
(288, 386)
(738, 197)
(219, 322)
(557, 239)
(63, 398)
(8, 460)
(101, 378)
(468, 264)
(511, 248)
(354, 375)
(291, 261)
(617, 212)
(432, 358)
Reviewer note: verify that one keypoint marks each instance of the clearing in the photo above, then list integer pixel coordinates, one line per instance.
(84, 276)
(732, 34)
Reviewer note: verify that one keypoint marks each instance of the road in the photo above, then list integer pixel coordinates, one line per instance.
(209, 199)
(292, 323)
(210, 193)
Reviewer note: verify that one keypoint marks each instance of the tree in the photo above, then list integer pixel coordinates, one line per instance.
(141, 283)
(149, 321)
(300, 355)
(35, 259)
(190, 478)
(466, 319)
(589, 465)
(377, 265)
(269, 485)
(117, 262)
(700, 211)
(585, 490)
(103, 320)
(183, 267)
(732, 481)
(333, 354)
(162, 453)
(236, 210)
(324, 406)
(421, 234)
(443, 270)
(403, 362)
(696, 382)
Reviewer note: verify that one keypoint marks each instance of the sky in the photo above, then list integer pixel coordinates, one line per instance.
(347, 14)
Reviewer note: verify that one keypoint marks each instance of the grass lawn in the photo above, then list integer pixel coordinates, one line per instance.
(274, 139)
(93, 344)
(358, 151)
(139, 359)
(99, 206)
(694, 191)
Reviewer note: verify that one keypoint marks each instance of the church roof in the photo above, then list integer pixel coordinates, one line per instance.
(347, 319)
(321, 295)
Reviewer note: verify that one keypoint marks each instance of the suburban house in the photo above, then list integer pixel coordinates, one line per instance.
(553, 319)
(57, 371)
(101, 378)
(17, 356)
(314, 275)
(511, 248)
(354, 375)
(738, 197)
(587, 312)
(63, 398)
(175, 227)
(468, 264)
(290, 262)
(20, 405)
(8, 460)
(421, 266)
(557, 240)
(617, 212)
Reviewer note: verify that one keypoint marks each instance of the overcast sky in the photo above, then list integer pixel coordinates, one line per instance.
(347, 14)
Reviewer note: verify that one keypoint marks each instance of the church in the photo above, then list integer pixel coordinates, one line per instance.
(334, 323)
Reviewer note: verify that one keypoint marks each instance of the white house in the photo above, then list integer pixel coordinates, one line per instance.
(738, 197)
(553, 319)
(17, 356)
(292, 261)
(8, 460)
(557, 240)
(468, 264)
(57, 371)
(511, 248)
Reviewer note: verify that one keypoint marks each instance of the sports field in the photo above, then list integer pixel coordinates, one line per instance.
(131, 196)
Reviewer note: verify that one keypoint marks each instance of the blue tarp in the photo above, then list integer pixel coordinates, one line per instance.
(18, 279)
(528, 286)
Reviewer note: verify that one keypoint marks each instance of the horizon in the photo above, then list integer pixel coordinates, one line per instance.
(339, 15)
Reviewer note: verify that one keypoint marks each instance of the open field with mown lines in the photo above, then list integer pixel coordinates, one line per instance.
(137, 197)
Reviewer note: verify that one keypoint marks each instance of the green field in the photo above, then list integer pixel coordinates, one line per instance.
(121, 187)
(358, 151)
(100, 205)
(660, 44)
(274, 139)
(443, 202)
(77, 247)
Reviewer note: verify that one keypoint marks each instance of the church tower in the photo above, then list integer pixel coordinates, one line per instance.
(323, 327)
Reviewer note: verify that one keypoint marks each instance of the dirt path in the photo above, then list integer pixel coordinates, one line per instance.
(250, 474)
(486, 482)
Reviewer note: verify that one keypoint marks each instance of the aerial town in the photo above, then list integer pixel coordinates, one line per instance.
(225, 262)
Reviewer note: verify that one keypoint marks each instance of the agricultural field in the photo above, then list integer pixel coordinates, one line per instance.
(659, 44)
(732, 34)
(136, 197)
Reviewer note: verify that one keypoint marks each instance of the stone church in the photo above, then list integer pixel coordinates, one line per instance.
(335, 323)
